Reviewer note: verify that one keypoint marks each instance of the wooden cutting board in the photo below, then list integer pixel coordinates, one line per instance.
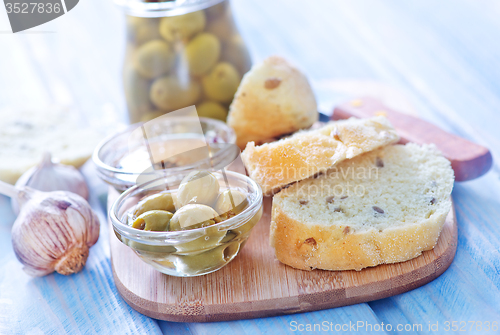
(255, 284)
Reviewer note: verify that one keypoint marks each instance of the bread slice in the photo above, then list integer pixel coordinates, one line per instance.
(273, 99)
(385, 206)
(307, 153)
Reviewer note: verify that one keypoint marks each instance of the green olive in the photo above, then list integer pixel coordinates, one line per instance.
(141, 30)
(169, 93)
(154, 220)
(212, 110)
(245, 228)
(164, 263)
(236, 53)
(210, 259)
(154, 59)
(193, 216)
(182, 27)
(229, 237)
(151, 250)
(231, 202)
(211, 238)
(201, 53)
(198, 187)
(221, 83)
(136, 93)
(223, 27)
(164, 201)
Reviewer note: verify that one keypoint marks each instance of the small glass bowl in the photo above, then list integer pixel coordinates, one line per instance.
(194, 252)
(110, 153)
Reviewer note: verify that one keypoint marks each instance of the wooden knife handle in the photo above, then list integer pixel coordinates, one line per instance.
(469, 160)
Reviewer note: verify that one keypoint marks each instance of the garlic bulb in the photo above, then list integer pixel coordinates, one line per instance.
(53, 232)
(48, 176)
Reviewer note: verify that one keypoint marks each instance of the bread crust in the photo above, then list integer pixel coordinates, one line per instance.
(259, 113)
(308, 247)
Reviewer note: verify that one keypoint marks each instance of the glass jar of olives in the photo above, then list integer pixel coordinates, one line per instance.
(181, 53)
(192, 227)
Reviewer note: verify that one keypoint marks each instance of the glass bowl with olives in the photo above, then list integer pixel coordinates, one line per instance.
(181, 53)
(190, 227)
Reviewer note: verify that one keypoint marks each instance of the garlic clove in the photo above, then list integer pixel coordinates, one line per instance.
(48, 176)
(53, 232)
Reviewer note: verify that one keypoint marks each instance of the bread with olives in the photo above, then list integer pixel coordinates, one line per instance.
(307, 153)
(384, 206)
(273, 99)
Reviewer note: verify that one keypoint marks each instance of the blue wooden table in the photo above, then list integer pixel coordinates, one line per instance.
(440, 60)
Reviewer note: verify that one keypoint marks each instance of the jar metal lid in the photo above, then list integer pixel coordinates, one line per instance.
(142, 8)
